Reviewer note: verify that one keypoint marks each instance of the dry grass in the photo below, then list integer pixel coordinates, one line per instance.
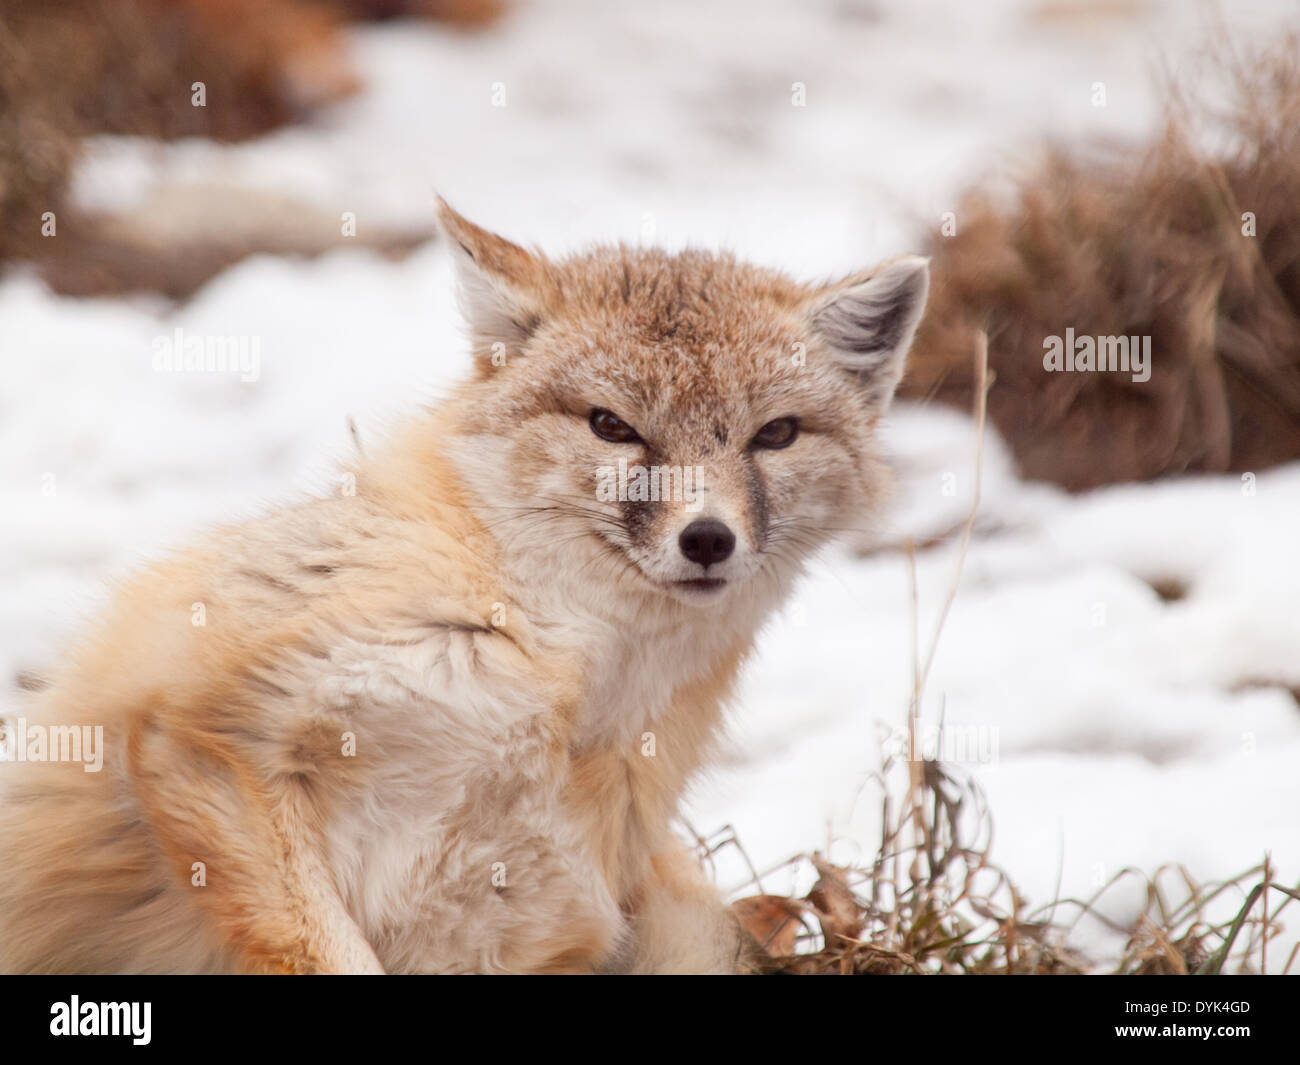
(72, 68)
(941, 905)
(1147, 241)
(467, 13)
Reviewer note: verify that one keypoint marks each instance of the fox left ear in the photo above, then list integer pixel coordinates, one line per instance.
(502, 287)
(868, 323)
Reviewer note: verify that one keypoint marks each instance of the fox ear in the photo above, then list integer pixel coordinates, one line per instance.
(868, 322)
(501, 287)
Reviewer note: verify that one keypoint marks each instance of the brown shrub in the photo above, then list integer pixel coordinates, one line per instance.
(69, 68)
(126, 66)
(1117, 243)
(469, 13)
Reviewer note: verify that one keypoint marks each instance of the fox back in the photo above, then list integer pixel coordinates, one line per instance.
(444, 721)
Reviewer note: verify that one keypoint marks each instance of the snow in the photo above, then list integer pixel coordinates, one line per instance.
(1113, 727)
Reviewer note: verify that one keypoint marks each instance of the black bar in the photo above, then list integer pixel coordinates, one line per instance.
(341, 1013)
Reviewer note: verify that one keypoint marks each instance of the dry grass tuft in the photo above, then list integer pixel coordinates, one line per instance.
(941, 905)
(72, 68)
(1114, 241)
(467, 13)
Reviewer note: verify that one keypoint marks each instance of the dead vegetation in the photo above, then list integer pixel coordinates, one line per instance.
(939, 904)
(1192, 240)
(74, 68)
(466, 13)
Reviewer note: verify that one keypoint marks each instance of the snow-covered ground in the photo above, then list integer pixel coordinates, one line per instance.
(1111, 726)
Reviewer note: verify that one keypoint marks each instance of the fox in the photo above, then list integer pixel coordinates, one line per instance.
(443, 719)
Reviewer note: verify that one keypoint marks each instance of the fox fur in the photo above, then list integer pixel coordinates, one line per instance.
(442, 721)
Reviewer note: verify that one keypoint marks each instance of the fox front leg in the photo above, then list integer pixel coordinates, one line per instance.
(680, 924)
(266, 899)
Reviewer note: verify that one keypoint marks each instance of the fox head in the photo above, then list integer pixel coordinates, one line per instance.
(686, 425)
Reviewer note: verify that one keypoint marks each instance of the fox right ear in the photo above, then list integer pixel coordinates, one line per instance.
(868, 322)
(501, 287)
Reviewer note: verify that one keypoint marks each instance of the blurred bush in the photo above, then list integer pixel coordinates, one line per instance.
(1197, 249)
(71, 68)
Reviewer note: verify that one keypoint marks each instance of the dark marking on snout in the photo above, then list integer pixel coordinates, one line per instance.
(638, 518)
(756, 490)
(639, 514)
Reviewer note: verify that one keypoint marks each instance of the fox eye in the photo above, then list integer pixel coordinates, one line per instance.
(776, 434)
(609, 426)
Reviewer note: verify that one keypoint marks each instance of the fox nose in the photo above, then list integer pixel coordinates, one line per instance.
(707, 541)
